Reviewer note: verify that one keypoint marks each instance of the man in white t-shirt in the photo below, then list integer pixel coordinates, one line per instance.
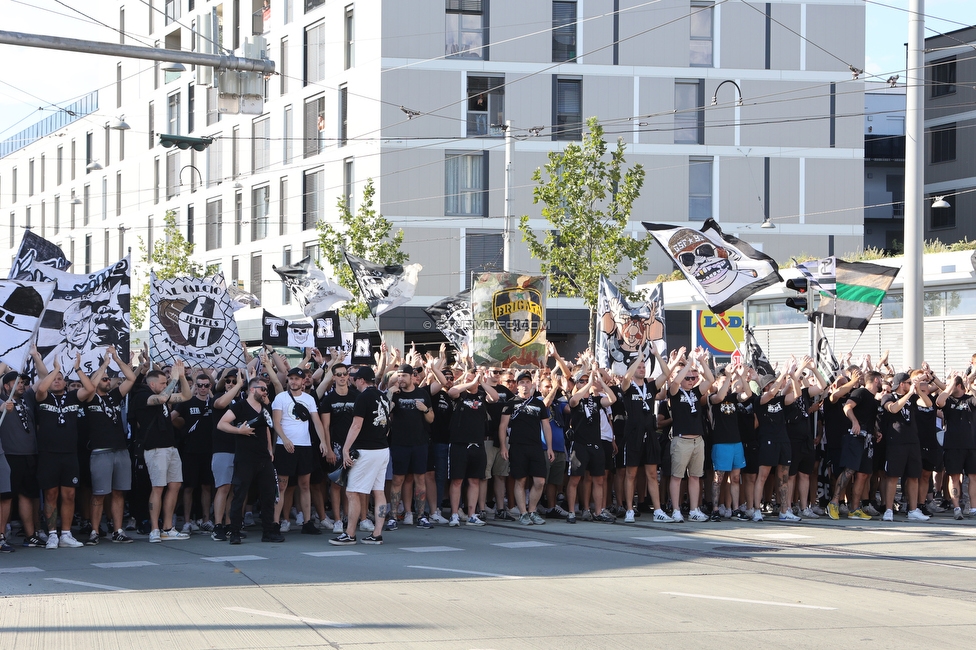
(292, 411)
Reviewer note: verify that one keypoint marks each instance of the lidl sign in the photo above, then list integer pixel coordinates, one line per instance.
(720, 334)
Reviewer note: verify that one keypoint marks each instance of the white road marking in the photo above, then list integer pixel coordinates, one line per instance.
(234, 558)
(664, 539)
(779, 536)
(746, 600)
(123, 565)
(470, 573)
(522, 544)
(288, 617)
(334, 553)
(93, 585)
(430, 549)
(22, 569)
(891, 533)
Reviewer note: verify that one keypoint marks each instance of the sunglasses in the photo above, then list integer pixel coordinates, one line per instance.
(340, 374)
(691, 378)
(495, 372)
(203, 385)
(263, 389)
(705, 250)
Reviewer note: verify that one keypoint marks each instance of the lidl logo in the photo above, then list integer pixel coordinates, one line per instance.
(722, 333)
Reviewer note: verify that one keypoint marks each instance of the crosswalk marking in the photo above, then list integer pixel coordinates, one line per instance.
(430, 549)
(123, 565)
(234, 558)
(21, 569)
(334, 553)
(522, 544)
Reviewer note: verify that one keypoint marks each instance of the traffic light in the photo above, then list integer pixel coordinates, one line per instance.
(798, 302)
(184, 142)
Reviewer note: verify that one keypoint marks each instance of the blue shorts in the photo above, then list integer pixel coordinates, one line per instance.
(728, 456)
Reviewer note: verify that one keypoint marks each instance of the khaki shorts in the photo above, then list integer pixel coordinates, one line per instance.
(164, 466)
(688, 454)
(497, 466)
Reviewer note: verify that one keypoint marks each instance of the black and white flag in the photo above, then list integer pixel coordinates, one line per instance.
(34, 249)
(21, 306)
(320, 332)
(384, 287)
(626, 332)
(452, 317)
(756, 356)
(362, 350)
(314, 292)
(86, 314)
(193, 319)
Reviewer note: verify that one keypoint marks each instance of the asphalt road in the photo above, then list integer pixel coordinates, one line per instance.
(813, 584)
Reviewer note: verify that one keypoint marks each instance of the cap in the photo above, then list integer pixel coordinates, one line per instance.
(296, 372)
(765, 380)
(524, 375)
(901, 377)
(407, 368)
(12, 375)
(363, 372)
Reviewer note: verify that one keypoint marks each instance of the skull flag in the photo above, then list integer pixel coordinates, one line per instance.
(320, 332)
(452, 317)
(34, 250)
(723, 269)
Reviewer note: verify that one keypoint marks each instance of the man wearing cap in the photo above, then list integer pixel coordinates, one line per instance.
(19, 440)
(293, 410)
(411, 414)
(522, 421)
(367, 437)
(194, 420)
(903, 458)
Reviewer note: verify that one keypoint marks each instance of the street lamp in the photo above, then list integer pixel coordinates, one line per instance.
(192, 187)
(940, 202)
(738, 105)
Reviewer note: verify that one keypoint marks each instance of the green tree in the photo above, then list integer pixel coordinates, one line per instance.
(587, 200)
(170, 258)
(365, 234)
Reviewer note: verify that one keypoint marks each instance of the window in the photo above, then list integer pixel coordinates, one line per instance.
(312, 250)
(689, 111)
(173, 114)
(213, 110)
(283, 66)
(260, 144)
(563, 31)
(283, 206)
(88, 253)
(944, 77)
(256, 275)
(121, 146)
(235, 272)
(30, 177)
(190, 107)
(215, 162)
(288, 148)
(72, 206)
(43, 173)
(172, 174)
(347, 183)
(86, 204)
(57, 213)
(104, 198)
(486, 106)
(189, 224)
(312, 4)
(568, 109)
(215, 224)
(118, 85)
(172, 10)
(314, 131)
(73, 158)
(59, 165)
(943, 217)
(13, 229)
(349, 52)
(235, 151)
(313, 187)
(465, 34)
(43, 218)
(121, 242)
(152, 129)
(465, 182)
(118, 194)
(944, 143)
(260, 209)
(13, 185)
(895, 184)
(156, 181)
(108, 146)
(89, 151)
(238, 217)
(285, 261)
(483, 251)
(289, 10)
(699, 189)
(701, 34)
(343, 115)
(314, 53)
(106, 239)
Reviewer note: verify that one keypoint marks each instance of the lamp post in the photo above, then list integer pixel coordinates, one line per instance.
(192, 187)
(912, 319)
(738, 105)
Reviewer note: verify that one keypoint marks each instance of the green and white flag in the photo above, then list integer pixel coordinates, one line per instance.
(861, 287)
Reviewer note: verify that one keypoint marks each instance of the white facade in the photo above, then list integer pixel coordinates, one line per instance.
(793, 152)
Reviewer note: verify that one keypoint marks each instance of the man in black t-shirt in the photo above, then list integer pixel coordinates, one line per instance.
(586, 404)
(111, 467)
(440, 441)
(367, 469)
(525, 425)
(496, 467)
(467, 457)
(410, 416)
(336, 409)
(194, 421)
(903, 457)
(957, 404)
(774, 443)
(688, 392)
(230, 388)
(250, 422)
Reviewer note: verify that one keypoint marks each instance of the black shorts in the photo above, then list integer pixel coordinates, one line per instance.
(751, 451)
(466, 461)
(84, 468)
(632, 450)
(409, 459)
(57, 470)
(197, 469)
(608, 465)
(302, 461)
(327, 467)
(957, 461)
(903, 461)
(832, 455)
(591, 459)
(23, 476)
(880, 454)
(527, 460)
(932, 457)
(775, 451)
(802, 455)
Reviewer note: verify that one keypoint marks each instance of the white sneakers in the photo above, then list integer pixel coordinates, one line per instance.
(917, 515)
(367, 525)
(438, 518)
(285, 525)
(888, 515)
(66, 540)
(338, 528)
(629, 517)
(455, 520)
(697, 515)
(662, 517)
(809, 513)
(173, 534)
(52, 540)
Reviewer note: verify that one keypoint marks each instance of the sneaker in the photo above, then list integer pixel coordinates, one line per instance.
(586, 516)
(52, 540)
(677, 517)
(871, 510)
(504, 515)
(7, 548)
(537, 519)
(629, 517)
(525, 520)
(285, 526)
(697, 515)
(408, 519)
(662, 517)
(455, 521)
(367, 525)
(483, 515)
(559, 511)
(85, 528)
(41, 535)
(68, 541)
(131, 525)
(844, 510)
(817, 510)
(424, 522)
(462, 515)
(342, 540)
(605, 517)
(888, 515)
(375, 540)
(859, 514)
(924, 509)
(935, 507)
(308, 528)
(757, 515)
(186, 529)
(716, 515)
(475, 520)
(300, 519)
(722, 512)
(438, 518)
(273, 537)
(808, 513)
(92, 539)
(248, 519)
(173, 535)
(34, 541)
(740, 515)
(749, 512)
(235, 537)
(207, 526)
(788, 516)
(833, 511)
(219, 533)
(391, 524)
(119, 537)
(957, 514)
(917, 515)
(971, 512)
